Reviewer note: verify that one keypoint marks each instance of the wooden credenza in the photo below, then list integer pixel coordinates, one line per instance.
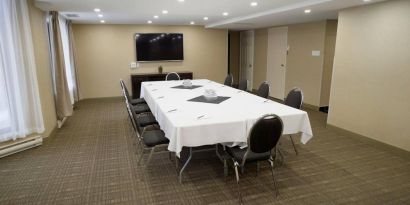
(137, 79)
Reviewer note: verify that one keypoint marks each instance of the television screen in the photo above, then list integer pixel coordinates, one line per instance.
(159, 46)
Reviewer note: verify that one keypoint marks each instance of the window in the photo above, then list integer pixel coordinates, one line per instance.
(20, 109)
(5, 120)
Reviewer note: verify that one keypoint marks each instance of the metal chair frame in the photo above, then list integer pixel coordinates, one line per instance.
(231, 77)
(139, 137)
(172, 73)
(270, 160)
(300, 106)
(265, 82)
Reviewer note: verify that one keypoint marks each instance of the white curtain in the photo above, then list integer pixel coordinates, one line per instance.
(67, 61)
(20, 109)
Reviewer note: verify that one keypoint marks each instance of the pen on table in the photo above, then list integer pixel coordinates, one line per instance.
(160, 97)
(154, 89)
(200, 117)
(172, 110)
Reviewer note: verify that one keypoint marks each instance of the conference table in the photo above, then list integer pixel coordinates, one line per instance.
(190, 120)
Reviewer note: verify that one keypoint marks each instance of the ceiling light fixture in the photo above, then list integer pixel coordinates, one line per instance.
(97, 10)
(254, 3)
(367, 0)
(192, 23)
(225, 13)
(181, 0)
(307, 11)
(149, 22)
(102, 21)
(100, 15)
(164, 11)
(205, 18)
(155, 17)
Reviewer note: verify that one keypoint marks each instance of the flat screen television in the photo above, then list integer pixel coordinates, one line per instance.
(159, 46)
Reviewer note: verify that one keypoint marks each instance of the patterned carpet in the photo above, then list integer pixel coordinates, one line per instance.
(92, 160)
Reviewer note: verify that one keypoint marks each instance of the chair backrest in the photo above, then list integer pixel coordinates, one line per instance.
(125, 91)
(137, 126)
(131, 115)
(265, 133)
(172, 76)
(122, 87)
(243, 85)
(229, 80)
(263, 90)
(294, 98)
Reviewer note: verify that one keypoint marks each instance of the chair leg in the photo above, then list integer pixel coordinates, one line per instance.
(236, 164)
(140, 158)
(294, 147)
(273, 177)
(258, 167)
(170, 156)
(176, 162)
(150, 155)
(225, 168)
(138, 146)
(242, 169)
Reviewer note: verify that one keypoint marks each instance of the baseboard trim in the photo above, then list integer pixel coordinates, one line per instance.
(375, 143)
(324, 109)
(304, 105)
(310, 107)
(104, 98)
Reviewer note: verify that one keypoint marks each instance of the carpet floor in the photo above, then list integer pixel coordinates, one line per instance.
(92, 160)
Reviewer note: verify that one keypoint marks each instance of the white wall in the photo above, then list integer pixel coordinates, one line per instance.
(104, 53)
(370, 92)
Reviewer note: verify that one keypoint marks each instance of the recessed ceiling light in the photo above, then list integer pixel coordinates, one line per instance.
(97, 10)
(206, 18)
(100, 15)
(102, 21)
(307, 11)
(367, 0)
(225, 13)
(192, 23)
(155, 17)
(181, 0)
(149, 22)
(164, 11)
(254, 3)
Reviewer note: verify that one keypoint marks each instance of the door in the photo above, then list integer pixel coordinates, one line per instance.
(276, 61)
(246, 56)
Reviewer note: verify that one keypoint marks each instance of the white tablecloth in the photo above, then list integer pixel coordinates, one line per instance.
(227, 122)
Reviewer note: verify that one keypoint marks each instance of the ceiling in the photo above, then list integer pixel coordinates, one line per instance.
(241, 15)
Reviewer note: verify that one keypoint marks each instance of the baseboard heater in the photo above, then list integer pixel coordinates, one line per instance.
(21, 146)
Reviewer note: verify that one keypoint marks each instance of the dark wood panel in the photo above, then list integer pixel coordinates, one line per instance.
(137, 79)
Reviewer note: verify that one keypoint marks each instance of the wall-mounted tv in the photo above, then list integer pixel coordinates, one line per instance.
(159, 46)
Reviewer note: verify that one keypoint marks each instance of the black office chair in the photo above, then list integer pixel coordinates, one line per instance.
(138, 108)
(263, 137)
(172, 76)
(150, 137)
(145, 119)
(294, 99)
(229, 80)
(126, 93)
(263, 90)
(243, 85)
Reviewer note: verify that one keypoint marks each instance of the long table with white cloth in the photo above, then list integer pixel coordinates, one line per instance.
(192, 124)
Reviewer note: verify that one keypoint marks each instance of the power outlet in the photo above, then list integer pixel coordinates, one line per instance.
(133, 65)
